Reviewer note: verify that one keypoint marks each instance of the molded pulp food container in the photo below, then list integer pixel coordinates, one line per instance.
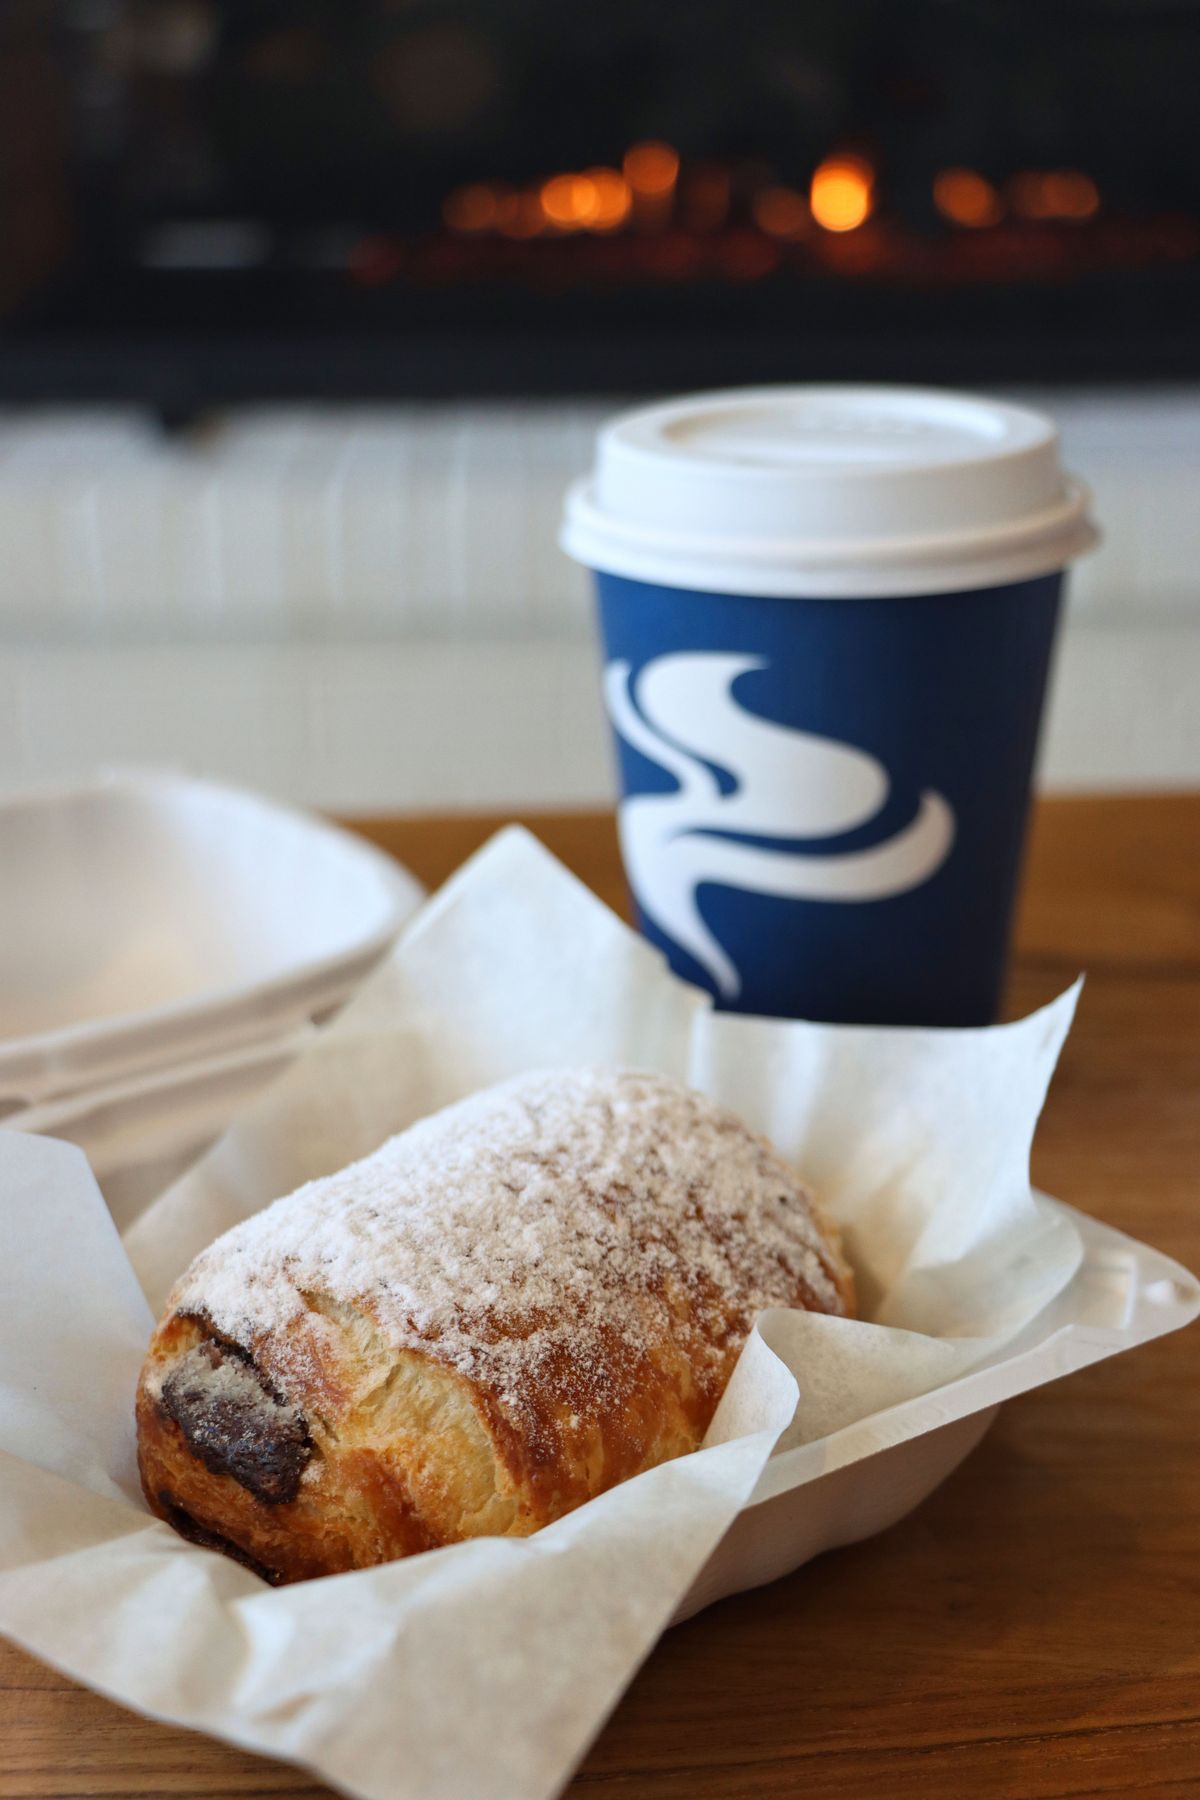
(165, 945)
(860, 1480)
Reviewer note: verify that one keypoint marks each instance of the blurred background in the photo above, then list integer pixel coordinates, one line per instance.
(309, 310)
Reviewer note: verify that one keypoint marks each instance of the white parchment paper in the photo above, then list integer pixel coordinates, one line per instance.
(482, 1671)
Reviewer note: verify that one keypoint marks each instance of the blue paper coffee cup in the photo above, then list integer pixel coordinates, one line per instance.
(827, 617)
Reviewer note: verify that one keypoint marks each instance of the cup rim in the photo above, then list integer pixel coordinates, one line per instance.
(830, 569)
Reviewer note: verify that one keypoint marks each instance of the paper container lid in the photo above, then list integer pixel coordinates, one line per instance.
(828, 491)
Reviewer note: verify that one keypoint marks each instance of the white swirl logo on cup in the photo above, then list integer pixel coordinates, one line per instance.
(682, 715)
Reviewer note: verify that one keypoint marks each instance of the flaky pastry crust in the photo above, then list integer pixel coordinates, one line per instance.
(529, 1297)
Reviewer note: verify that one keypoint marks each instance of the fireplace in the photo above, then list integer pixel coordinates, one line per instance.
(217, 200)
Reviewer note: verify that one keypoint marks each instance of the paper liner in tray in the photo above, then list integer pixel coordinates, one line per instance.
(484, 1669)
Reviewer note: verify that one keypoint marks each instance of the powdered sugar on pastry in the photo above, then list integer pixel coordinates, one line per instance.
(539, 1234)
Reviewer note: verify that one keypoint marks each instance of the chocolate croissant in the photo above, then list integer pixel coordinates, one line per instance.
(522, 1300)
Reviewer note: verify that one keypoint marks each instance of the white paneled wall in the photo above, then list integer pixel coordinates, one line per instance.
(278, 524)
(367, 607)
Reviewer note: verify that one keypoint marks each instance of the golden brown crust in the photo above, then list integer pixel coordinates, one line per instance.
(395, 1466)
(315, 1436)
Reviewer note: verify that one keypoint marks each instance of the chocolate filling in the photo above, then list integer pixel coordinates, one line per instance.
(196, 1533)
(235, 1423)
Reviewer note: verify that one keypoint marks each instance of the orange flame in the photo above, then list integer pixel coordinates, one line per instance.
(598, 200)
(966, 198)
(612, 199)
(842, 193)
(568, 201)
(651, 169)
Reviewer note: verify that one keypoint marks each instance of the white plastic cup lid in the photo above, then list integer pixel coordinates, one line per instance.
(828, 491)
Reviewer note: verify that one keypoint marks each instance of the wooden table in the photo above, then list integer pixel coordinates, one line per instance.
(1033, 1630)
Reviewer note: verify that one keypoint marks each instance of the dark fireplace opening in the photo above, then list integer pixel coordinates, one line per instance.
(211, 200)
